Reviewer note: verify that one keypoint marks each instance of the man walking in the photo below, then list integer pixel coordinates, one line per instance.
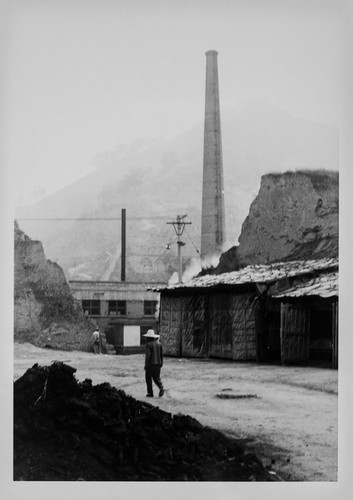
(153, 363)
(96, 341)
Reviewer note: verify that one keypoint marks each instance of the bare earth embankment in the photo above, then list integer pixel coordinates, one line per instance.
(286, 415)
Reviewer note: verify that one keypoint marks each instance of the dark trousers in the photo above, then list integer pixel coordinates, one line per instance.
(153, 373)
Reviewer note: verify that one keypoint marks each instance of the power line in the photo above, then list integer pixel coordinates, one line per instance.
(197, 250)
(88, 219)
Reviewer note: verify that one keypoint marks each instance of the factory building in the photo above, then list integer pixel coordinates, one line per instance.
(124, 311)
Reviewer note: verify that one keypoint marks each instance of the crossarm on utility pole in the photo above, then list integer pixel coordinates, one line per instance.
(179, 226)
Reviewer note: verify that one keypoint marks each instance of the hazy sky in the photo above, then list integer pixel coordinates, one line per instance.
(81, 76)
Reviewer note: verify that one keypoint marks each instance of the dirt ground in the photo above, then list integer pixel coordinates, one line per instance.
(286, 415)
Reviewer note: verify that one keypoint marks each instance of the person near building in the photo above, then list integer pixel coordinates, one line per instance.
(153, 363)
(96, 341)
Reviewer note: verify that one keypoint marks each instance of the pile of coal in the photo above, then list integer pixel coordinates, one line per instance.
(65, 430)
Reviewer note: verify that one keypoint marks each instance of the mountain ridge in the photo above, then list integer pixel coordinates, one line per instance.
(160, 182)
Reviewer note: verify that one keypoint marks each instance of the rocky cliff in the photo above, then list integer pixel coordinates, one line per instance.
(294, 216)
(45, 312)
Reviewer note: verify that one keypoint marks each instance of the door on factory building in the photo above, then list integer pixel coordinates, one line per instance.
(115, 335)
(132, 335)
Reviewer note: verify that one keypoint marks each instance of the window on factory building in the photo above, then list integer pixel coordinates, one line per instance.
(117, 307)
(91, 307)
(149, 307)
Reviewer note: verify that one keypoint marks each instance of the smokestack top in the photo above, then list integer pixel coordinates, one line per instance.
(211, 53)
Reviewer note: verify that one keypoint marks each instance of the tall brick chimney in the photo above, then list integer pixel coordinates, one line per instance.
(213, 218)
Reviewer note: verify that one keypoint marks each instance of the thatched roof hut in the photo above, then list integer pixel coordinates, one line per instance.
(251, 314)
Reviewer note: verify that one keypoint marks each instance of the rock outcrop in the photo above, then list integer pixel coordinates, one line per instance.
(294, 216)
(45, 312)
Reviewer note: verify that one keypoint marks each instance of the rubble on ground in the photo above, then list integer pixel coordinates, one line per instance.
(65, 430)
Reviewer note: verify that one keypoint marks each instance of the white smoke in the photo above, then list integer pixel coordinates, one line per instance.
(210, 261)
(190, 272)
(194, 268)
(173, 280)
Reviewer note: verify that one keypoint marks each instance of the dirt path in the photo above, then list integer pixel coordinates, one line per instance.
(287, 415)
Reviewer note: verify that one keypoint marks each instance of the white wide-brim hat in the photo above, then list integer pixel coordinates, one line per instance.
(151, 334)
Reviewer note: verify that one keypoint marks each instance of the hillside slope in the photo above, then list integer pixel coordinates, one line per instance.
(159, 181)
(45, 312)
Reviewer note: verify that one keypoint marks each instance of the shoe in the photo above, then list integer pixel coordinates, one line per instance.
(149, 395)
(161, 392)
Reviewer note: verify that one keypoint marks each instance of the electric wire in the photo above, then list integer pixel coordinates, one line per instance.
(196, 249)
(87, 219)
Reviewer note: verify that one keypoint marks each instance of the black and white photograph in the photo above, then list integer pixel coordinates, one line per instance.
(175, 216)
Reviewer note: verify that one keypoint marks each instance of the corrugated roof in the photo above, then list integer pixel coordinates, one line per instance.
(324, 286)
(257, 274)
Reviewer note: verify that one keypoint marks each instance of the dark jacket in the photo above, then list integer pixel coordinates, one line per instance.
(154, 354)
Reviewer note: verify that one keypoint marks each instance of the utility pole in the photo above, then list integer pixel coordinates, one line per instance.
(179, 226)
(123, 244)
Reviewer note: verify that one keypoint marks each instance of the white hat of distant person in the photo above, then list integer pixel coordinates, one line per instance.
(151, 335)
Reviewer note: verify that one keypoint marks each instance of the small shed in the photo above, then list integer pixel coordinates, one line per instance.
(238, 315)
(309, 321)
